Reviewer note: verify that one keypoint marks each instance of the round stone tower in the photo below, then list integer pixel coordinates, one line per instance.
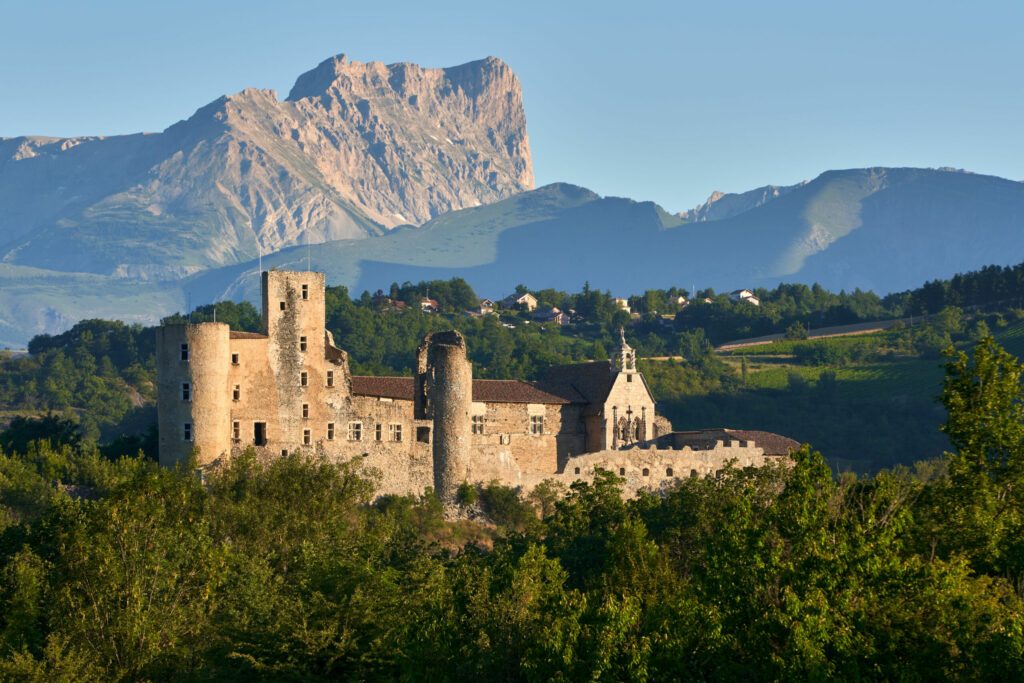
(451, 395)
(193, 394)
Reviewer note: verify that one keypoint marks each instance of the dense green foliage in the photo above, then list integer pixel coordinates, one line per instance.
(121, 570)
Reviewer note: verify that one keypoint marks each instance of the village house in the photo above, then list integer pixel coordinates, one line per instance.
(526, 301)
(744, 295)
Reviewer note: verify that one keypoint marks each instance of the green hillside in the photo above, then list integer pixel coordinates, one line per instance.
(865, 414)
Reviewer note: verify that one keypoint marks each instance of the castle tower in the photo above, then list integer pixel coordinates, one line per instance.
(194, 408)
(450, 382)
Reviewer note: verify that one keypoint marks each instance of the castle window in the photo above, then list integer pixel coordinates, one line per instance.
(378, 431)
(186, 392)
(576, 471)
(302, 344)
(478, 424)
(395, 432)
(668, 472)
(307, 437)
(504, 439)
(186, 430)
(259, 433)
(283, 306)
(536, 424)
(305, 292)
(184, 352)
(622, 471)
(234, 359)
(423, 434)
(646, 472)
(303, 379)
(236, 393)
(355, 431)
(236, 431)
(330, 378)
(284, 452)
(305, 411)
(629, 378)
(330, 431)
(693, 473)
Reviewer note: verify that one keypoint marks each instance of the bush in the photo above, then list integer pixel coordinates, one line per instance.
(467, 494)
(505, 508)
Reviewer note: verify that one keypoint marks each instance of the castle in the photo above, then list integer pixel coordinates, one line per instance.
(289, 389)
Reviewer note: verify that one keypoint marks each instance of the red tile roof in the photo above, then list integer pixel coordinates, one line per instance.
(484, 390)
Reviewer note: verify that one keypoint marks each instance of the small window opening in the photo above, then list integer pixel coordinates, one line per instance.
(187, 431)
(693, 474)
(478, 424)
(234, 359)
(184, 352)
(395, 432)
(536, 424)
(236, 393)
(330, 378)
(305, 411)
(622, 471)
(307, 437)
(259, 433)
(355, 431)
(236, 431)
(423, 434)
(646, 472)
(629, 378)
(305, 292)
(284, 452)
(378, 432)
(186, 392)
(303, 379)
(668, 472)
(302, 344)
(330, 431)
(576, 471)
(283, 306)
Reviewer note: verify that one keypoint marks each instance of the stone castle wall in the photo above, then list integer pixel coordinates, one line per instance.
(292, 387)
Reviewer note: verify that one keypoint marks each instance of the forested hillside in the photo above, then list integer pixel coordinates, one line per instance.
(122, 570)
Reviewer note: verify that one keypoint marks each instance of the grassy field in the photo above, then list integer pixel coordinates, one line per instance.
(877, 413)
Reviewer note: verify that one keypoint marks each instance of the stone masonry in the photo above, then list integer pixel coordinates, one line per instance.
(289, 389)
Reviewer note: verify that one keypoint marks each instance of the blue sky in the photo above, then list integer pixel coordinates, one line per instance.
(665, 101)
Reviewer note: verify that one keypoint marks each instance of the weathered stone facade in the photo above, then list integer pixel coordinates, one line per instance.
(289, 389)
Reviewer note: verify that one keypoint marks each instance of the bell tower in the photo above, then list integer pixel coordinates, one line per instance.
(626, 357)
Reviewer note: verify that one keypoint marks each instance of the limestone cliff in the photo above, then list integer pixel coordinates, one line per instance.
(355, 150)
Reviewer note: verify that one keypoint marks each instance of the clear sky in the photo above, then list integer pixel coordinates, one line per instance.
(652, 100)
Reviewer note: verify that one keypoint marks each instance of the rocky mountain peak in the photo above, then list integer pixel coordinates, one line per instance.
(356, 149)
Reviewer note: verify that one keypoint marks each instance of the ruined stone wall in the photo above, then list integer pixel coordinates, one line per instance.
(655, 469)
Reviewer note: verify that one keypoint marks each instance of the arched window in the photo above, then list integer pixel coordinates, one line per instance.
(668, 472)
(647, 472)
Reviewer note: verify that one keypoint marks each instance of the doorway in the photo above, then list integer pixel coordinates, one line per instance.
(259, 433)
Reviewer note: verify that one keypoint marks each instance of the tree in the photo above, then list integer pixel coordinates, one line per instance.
(984, 400)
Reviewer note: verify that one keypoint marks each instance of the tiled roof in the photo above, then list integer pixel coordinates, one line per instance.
(771, 443)
(384, 387)
(592, 381)
(514, 391)
(484, 390)
(235, 334)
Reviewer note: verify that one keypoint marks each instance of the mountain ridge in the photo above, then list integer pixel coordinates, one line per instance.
(380, 146)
